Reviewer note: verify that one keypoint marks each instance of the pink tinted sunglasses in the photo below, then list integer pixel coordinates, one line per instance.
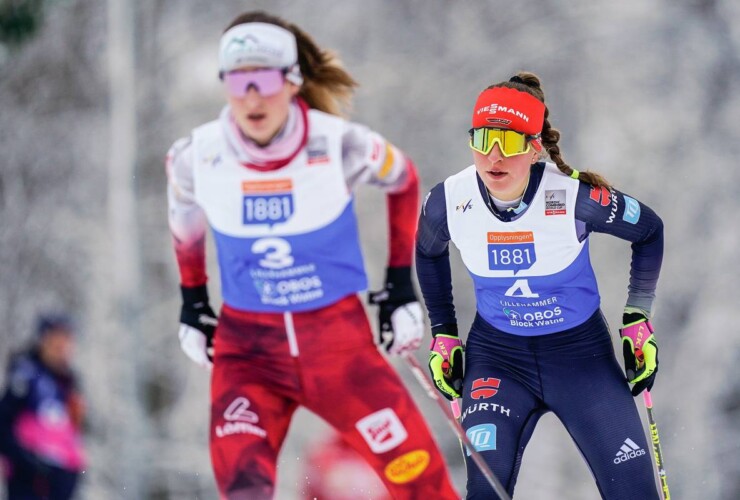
(266, 81)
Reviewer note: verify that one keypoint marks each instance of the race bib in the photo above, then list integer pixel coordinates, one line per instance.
(511, 251)
(267, 202)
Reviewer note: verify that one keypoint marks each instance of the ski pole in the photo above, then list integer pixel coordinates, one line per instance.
(456, 413)
(455, 407)
(455, 425)
(655, 439)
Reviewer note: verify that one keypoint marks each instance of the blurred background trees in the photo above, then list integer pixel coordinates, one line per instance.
(92, 94)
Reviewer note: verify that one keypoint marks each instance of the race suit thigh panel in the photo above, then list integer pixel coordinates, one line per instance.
(588, 392)
(499, 414)
(253, 398)
(249, 423)
(351, 386)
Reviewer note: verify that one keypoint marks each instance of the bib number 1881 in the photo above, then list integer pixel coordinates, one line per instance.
(511, 251)
(267, 209)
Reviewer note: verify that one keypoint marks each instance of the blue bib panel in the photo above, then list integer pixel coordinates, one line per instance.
(287, 239)
(531, 275)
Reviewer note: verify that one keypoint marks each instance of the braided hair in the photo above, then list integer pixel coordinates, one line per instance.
(527, 82)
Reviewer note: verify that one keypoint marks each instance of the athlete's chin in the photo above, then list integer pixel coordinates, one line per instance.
(258, 132)
(497, 182)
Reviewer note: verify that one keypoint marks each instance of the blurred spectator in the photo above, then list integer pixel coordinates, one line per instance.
(335, 471)
(41, 413)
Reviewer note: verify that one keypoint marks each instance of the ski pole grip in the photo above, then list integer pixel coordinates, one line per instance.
(455, 406)
(648, 398)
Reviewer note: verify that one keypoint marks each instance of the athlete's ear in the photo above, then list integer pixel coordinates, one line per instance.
(294, 89)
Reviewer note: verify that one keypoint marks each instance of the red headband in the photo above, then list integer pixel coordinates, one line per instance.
(503, 107)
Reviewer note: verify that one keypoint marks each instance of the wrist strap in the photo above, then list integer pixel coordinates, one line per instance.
(399, 285)
(194, 295)
(446, 329)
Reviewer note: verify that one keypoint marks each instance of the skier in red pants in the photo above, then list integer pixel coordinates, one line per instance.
(273, 178)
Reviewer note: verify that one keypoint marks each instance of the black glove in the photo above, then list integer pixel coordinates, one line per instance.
(401, 325)
(197, 325)
(29, 466)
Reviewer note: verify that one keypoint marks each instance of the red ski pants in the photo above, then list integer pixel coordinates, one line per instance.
(266, 365)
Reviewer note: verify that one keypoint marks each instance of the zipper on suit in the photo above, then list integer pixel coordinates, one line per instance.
(290, 332)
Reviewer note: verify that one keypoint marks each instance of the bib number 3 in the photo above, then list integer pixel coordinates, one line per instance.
(276, 253)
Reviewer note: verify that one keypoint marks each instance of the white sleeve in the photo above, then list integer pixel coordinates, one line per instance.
(186, 218)
(368, 158)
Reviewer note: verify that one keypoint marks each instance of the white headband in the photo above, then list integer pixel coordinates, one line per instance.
(260, 44)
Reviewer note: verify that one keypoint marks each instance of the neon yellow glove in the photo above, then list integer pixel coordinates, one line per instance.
(446, 364)
(640, 349)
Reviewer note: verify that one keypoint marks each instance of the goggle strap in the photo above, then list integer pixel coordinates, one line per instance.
(293, 74)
